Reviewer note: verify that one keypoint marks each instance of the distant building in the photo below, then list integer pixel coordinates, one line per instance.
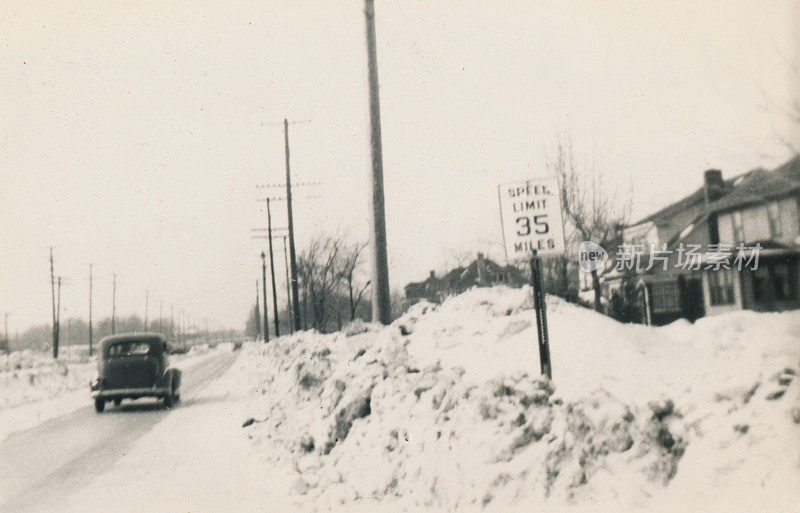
(759, 209)
(481, 272)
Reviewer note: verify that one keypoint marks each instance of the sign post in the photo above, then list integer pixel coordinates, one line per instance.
(530, 212)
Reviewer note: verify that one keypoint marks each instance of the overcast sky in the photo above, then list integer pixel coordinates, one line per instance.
(132, 135)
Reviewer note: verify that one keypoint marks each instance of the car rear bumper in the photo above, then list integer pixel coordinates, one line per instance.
(131, 392)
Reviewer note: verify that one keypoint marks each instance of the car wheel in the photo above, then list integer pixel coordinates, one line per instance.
(117, 402)
(168, 401)
(99, 404)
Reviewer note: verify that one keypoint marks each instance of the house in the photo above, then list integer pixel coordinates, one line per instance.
(689, 255)
(481, 272)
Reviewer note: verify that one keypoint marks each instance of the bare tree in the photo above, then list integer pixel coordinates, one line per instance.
(318, 271)
(328, 269)
(594, 211)
(787, 109)
(349, 264)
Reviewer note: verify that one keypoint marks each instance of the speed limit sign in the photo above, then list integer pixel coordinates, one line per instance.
(530, 211)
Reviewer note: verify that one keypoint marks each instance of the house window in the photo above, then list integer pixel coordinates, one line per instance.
(776, 282)
(783, 283)
(756, 224)
(665, 296)
(761, 284)
(787, 220)
(725, 227)
(720, 285)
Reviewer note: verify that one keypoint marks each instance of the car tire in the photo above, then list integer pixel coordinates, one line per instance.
(99, 404)
(168, 401)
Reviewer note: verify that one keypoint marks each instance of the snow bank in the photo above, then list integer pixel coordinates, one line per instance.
(27, 376)
(444, 409)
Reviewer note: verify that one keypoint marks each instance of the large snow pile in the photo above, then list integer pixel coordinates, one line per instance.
(444, 409)
(27, 376)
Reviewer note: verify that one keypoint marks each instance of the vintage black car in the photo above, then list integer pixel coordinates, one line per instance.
(134, 365)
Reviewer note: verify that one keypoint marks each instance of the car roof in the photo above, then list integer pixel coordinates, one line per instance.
(131, 337)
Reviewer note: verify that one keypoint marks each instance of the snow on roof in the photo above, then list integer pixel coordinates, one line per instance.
(686, 231)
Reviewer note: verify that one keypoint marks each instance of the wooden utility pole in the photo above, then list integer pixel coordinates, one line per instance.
(5, 323)
(146, 304)
(258, 313)
(272, 273)
(58, 320)
(381, 307)
(53, 294)
(172, 320)
(288, 294)
(292, 254)
(114, 306)
(90, 310)
(264, 289)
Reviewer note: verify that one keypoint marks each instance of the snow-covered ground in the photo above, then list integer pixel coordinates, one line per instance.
(34, 387)
(444, 410)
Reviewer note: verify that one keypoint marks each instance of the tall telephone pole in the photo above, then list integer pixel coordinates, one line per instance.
(288, 295)
(292, 256)
(90, 310)
(114, 306)
(58, 320)
(53, 294)
(258, 312)
(264, 289)
(381, 308)
(146, 304)
(272, 273)
(5, 323)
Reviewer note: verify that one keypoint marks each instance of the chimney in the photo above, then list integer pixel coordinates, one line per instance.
(713, 185)
(713, 189)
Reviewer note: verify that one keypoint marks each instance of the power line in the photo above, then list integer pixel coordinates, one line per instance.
(276, 185)
(266, 229)
(281, 123)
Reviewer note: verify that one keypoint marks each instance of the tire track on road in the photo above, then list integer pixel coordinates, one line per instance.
(41, 466)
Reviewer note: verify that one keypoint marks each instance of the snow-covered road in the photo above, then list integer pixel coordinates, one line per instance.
(45, 464)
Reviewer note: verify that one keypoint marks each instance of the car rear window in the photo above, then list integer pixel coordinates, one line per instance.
(128, 349)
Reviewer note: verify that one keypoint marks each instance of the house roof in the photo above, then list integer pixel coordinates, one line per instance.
(459, 278)
(760, 185)
(755, 186)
